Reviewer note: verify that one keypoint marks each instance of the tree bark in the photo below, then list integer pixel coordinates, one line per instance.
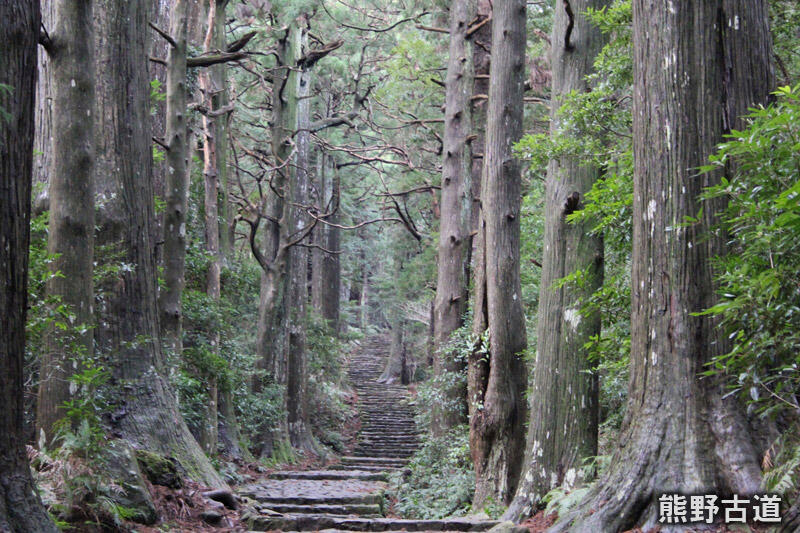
(327, 268)
(71, 228)
(297, 357)
(21, 511)
(452, 280)
(273, 320)
(562, 426)
(210, 86)
(44, 120)
(219, 76)
(680, 435)
(177, 183)
(497, 378)
(128, 332)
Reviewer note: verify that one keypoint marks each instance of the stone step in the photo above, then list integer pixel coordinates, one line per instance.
(322, 522)
(365, 511)
(399, 440)
(379, 453)
(366, 467)
(350, 473)
(347, 459)
(315, 491)
(387, 446)
(269, 500)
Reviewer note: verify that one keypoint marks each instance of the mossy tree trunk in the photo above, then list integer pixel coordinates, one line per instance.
(21, 511)
(562, 426)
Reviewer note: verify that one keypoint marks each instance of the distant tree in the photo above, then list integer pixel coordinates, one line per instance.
(497, 374)
(21, 511)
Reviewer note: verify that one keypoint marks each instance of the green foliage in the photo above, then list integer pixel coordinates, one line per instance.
(784, 21)
(81, 430)
(439, 480)
(782, 463)
(326, 376)
(437, 392)
(758, 287)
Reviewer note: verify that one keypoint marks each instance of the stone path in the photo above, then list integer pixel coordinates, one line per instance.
(349, 496)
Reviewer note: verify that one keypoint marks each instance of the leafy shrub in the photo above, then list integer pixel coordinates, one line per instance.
(439, 480)
(758, 283)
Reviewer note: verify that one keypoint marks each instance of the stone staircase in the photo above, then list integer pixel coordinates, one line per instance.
(349, 496)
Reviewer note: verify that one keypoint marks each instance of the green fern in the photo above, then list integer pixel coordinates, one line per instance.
(784, 477)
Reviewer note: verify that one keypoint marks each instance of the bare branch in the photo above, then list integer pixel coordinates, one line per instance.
(167, 37)
(308, 60)
(432, 28)
(240, 43)
(214, 59)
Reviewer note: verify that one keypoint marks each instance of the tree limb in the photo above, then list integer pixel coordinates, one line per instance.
(240, 43)
(432, 28)
(308, 60)
(213, 59)
(167, 37)
(44, 39)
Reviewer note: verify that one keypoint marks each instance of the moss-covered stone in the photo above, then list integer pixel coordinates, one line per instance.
(134, 498)
(159, 470)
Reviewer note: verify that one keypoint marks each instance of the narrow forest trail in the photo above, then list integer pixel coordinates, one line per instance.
(350, 495)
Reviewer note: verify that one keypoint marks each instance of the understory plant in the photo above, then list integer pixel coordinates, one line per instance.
(439, 480)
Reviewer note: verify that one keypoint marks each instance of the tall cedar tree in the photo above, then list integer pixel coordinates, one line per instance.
(692, 75)
(21, 511)
(70, 234)
(146, 411)
(176, 186)
(297, 280)
(497, 374)
(562, 428)
(452, 280)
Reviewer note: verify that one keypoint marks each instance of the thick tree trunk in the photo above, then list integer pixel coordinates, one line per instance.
(679, 435)
(497, 378)
(297, 358)
(177, 183)
(146, 411)
(71, 229)
(452, 281)
(21, 511)
(562, 428)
